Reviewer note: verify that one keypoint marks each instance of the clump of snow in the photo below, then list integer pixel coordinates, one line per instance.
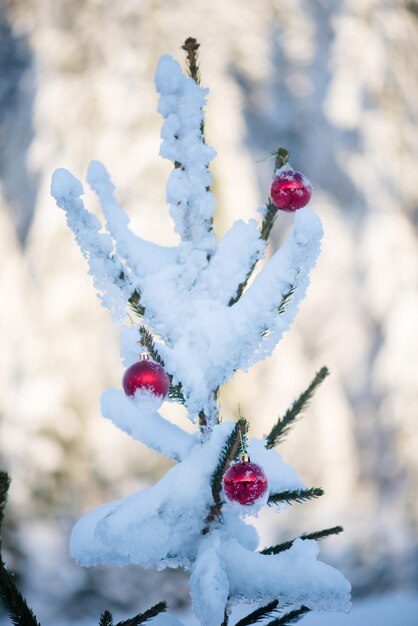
(191, 203)
(209, 582)
(111, 277)
(145, 424)
(294, 576)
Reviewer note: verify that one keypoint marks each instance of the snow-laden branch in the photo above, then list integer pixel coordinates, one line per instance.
(219, 339)
(258, 309)
(149, 427)
(142, 257)
(163, 524)
(294, 576)
(191, 203)
(111, 277)
(209, 583)
(236, 254)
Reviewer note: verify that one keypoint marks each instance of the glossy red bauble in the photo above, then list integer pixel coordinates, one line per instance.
(290, 190)
(147, 376)
(245, 482)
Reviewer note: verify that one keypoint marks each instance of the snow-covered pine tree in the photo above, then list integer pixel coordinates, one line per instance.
(197, 322)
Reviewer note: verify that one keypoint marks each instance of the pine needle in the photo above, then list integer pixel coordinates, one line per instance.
(289, 618)
(296, 495)
(19, 612)
(147, 341)
(144, 617)
(284, 424)
(281, 547)
(106, 619)
(229, 453)
(286, 299)
(135, 303)
(234, 444)
(268, 220)
(191, 46)
(4, 489)
(258, 614)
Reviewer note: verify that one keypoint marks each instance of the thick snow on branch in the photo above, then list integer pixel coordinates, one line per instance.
(290, 266)
(149, 427)
(201, 329)
(143, 257)
(191, 203)
(235, 255)
(162, 526)
(294, 576)
(97, 248)
(209, 583)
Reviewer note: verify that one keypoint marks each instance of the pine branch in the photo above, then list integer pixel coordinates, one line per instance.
(283, 424)
(268, 220)
(19, 612)
(106, 619)
(286, 299)
(4, 489)
(258, 614)
(241, 287)
(289, 618)
(144, 617)
(281, 547)
(135, 298)
(296, 495)
(191, 46)
(230, 451)
(147, 341)
(226, 617)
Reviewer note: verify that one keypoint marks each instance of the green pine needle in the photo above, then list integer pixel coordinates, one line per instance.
(321, 534)
(268, 220)
(289, 618)
(144, 617)
(4, 489)
(19, 612)
(229, 453)
(135, 303)
(286, 299)
(106, 619)
(258, 614)
(296, 495)
(284, 424)
(281, 547)
(147, 341)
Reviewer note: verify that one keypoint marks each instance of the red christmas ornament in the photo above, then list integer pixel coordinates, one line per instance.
(245, 482)
(146, 375)
(290, 190)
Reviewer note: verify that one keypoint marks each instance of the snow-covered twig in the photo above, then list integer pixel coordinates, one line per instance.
(149, 427)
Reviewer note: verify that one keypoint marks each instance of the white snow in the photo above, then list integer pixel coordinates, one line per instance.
(96, 247)
(209, 582)
(145, 425)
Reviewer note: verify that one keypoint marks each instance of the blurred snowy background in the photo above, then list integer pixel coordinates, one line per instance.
(336, 82)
